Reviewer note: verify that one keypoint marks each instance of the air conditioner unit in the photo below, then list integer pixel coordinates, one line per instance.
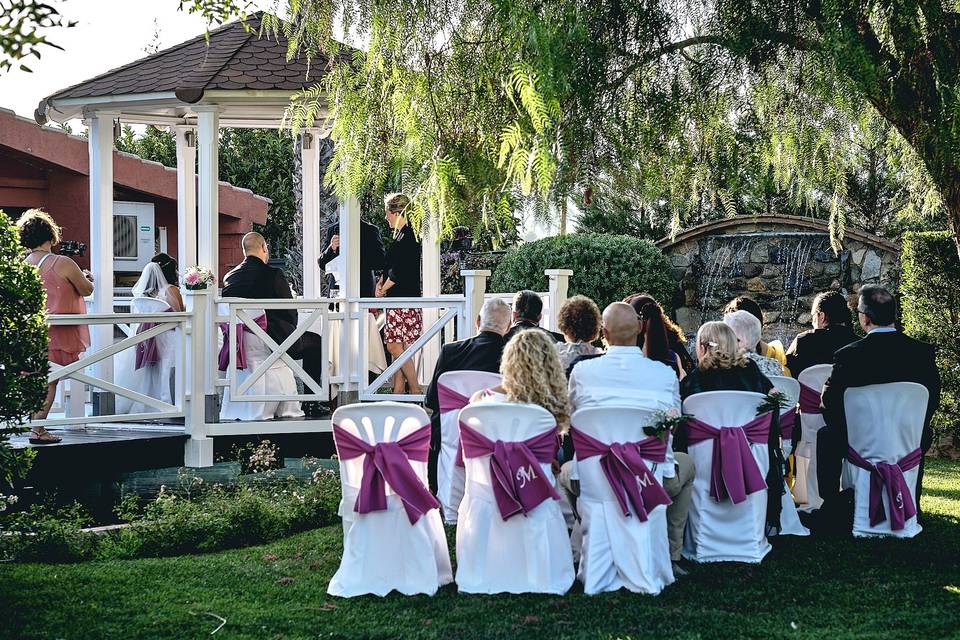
(134, 236)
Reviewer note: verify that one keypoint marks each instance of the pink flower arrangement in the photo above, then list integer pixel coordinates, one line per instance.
(197, 278)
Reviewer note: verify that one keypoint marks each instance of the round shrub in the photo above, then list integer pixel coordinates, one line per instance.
(606, 268)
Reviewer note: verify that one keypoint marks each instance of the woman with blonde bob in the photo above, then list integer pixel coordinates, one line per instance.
(532, 375)
(722, 365)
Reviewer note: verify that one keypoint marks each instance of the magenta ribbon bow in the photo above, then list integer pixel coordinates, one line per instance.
(518, 482)
(809, 400)
(623, 465)
(242, 329)
(147, 352)
(389, 463)
(734, 472)
(884, 474)
(450, 400)
(787, 421)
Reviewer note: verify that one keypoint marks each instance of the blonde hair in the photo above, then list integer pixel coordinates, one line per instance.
(720, 343)
(532, 374)
(396, 203)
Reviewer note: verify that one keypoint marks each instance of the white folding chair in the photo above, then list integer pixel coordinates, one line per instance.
(152, 380)
(382, 551)
(884, 425)
(278, 380)
(528, 553)
(450, 476)
(724, 531)
(805, 488)
(790, 524)
(618, 551)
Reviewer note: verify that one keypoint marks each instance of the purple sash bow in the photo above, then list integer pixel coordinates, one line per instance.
(242, 329)
(788, 420)
(449, 399)
(147, 352)
(809, 400)
(518, 482)
(389, 463)
(627, 473)
(734, 472)
(884, 474)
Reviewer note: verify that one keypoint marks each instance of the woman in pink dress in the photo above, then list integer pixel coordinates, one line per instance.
(66, 286)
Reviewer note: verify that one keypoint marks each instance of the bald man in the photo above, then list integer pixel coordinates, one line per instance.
(623, 376)
(254, 278)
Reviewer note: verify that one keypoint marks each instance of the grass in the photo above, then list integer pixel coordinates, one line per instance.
(804, 589)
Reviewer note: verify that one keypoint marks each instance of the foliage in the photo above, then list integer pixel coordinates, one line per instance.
(452, 262)
(22, 27)
(188, 518)
(154, 144)
(606, 268)
(931, 312)
(23, 358)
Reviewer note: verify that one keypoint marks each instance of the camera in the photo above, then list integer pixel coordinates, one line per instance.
(72, 248)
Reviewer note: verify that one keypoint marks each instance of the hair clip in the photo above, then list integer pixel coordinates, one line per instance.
(713, 345)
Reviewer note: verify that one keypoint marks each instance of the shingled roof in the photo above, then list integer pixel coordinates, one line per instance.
(233, 56)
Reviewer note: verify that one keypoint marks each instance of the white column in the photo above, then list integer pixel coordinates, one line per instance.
(208, 191)
(559, 283)
(430, 267)
(350, 365)
(198, 449)
(474, 288)
(310, 161)
(186, 138)
(100, 146)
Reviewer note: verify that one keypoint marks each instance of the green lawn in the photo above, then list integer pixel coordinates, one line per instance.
(804, 589)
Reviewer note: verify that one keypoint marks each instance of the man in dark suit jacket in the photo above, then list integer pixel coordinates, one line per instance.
(884, 355)
(527, 311)
(371, 254)
(254, 278)
(479, 353)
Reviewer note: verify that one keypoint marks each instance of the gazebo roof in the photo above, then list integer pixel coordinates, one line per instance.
(245, 75)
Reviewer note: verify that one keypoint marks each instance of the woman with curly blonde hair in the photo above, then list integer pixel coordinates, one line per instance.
(532, 375)
(722, 365)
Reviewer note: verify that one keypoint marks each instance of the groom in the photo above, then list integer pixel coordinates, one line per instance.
(254, 278)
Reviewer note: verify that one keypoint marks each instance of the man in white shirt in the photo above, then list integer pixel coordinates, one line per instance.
(624, 376)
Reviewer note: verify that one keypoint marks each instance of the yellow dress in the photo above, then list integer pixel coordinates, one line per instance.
(776, 351)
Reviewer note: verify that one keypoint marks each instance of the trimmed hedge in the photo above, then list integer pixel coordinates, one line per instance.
(606, 267)
(931, 312)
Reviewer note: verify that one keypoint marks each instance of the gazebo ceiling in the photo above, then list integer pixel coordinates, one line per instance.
(247, 77)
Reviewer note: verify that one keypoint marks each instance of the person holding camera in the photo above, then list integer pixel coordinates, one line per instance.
(66, 286)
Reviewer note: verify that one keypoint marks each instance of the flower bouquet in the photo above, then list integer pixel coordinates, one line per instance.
(196, 278)
(665, 422)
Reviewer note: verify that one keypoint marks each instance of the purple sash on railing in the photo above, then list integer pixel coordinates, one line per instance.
(242, 329)
(788, 420)
(518, 482)
(884, 474)
(389, 463)
(449, 399)
(628, 475)
(147, 352)
(809, 400)
(734, 472)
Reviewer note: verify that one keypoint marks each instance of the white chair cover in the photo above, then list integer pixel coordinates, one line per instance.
(790, 524)
(527, 553)
(618, 551)
(450, 477)
(153, 380)
(884, 424)
(805, 489)
(724, 531)
(278, 380)
(382, 551)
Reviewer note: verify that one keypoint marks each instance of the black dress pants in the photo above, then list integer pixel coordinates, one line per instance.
(307, 348)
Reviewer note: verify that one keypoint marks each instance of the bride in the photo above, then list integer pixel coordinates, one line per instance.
(147, 367)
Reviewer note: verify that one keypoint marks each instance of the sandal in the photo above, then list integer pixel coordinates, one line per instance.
(43, 437)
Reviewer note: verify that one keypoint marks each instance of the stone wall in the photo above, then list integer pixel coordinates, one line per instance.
(781, 262)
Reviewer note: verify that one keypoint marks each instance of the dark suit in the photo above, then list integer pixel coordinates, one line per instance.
(479, 353)
(878, 358)
(371, 255)
(255, 280)
(522, 325)
(817, 346)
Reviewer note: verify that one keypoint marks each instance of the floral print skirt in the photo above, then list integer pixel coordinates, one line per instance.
(403, 325)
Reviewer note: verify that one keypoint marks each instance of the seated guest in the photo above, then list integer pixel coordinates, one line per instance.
(527, 310)
(579, 320)
(722, 365)
(624, 376)
(772, 349)
(832, 330)
(254, 278)
(482, 352)
(748, 328)
(531, 375)
(884, 355)
(659, 338)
